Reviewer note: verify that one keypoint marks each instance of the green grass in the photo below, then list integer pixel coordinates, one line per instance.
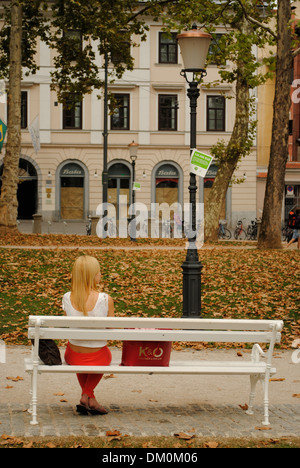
(147, 442)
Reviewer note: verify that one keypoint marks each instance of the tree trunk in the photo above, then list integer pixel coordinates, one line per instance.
(270, 233)
(8, 198)
(229, 161)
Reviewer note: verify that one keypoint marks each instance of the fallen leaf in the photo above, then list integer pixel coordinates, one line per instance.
(15, 379)
(63, 400)
(58, 394)
(113, 435)
(110, 376)
(277, 380)
(10, 440)
(263, 428)
(244, 407)
(211, 444)
(50, 445)
(29, 445)
(296, 395)
(183, 435)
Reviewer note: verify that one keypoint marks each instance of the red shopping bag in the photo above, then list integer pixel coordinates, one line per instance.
(146, 353)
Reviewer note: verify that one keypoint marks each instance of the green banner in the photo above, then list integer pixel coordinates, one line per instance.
(3, 129)
(200, 163)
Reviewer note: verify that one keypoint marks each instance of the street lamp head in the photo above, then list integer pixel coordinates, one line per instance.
(133, 149)
(194, 46)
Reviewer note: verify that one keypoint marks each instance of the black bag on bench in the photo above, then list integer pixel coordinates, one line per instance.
(49, 352)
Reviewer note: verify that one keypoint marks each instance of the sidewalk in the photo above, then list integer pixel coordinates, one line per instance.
(149, 405)
(54, 227)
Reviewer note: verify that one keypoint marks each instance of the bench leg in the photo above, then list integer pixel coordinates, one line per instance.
(266, 421)
(253, 381)
(30, 394)
(33, 404)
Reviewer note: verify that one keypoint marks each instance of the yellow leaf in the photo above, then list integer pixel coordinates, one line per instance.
(211, 444)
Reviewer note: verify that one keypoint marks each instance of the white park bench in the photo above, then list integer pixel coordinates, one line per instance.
(259, 367)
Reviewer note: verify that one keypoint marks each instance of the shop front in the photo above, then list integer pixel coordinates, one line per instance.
(72, 190)
(167, 184)
(119, 192)
(27, 193)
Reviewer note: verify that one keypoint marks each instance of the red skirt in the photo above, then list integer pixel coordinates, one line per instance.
(102, 357)
(88, 382)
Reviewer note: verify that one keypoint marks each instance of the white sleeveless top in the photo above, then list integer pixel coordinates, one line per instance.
(100, 310)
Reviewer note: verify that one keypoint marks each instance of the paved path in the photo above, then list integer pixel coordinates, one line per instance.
(147, 405)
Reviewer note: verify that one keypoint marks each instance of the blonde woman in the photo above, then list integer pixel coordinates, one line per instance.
(84, 299)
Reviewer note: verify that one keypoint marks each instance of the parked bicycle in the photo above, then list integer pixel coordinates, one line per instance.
(252, 230)
(223, 232)
(239, 232)
(286, 233)
(89, 226)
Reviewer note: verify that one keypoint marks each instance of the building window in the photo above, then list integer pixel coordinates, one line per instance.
(167, 48)
(120, 113)
(167, 112)
(216, 50)
(72, 115)
(122, 51)
(72, 44)
(24, 109)
(216, 113)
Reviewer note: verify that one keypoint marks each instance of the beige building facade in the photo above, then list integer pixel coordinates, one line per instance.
(62, 180)
(266, 92)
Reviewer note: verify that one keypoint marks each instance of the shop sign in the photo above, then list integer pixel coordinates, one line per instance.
(290, 191)
(212, 171)
(136, 186)
(167, 170)
(71, 170)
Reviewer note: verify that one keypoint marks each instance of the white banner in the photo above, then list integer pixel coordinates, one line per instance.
(2, 92)
(34, 130)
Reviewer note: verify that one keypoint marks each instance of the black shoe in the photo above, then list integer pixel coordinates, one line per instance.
(82, 409)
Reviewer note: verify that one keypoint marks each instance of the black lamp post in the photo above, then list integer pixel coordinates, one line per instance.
(133, 148)
(105, 136)
(194, 46)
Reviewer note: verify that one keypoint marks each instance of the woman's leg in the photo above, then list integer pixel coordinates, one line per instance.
(88, 382)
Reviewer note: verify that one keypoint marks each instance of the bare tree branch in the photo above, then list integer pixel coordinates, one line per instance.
(256, 22)
(296, 52)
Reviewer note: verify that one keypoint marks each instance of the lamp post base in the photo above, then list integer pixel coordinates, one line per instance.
(191, 270)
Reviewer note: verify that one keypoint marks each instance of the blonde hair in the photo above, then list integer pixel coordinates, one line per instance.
(84, 271)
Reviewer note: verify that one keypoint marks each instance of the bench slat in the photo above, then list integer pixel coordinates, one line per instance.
(143, 322)
(217, 368)
(156, 335)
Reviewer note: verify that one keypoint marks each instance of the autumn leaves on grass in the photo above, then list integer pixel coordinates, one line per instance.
(235, 284)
